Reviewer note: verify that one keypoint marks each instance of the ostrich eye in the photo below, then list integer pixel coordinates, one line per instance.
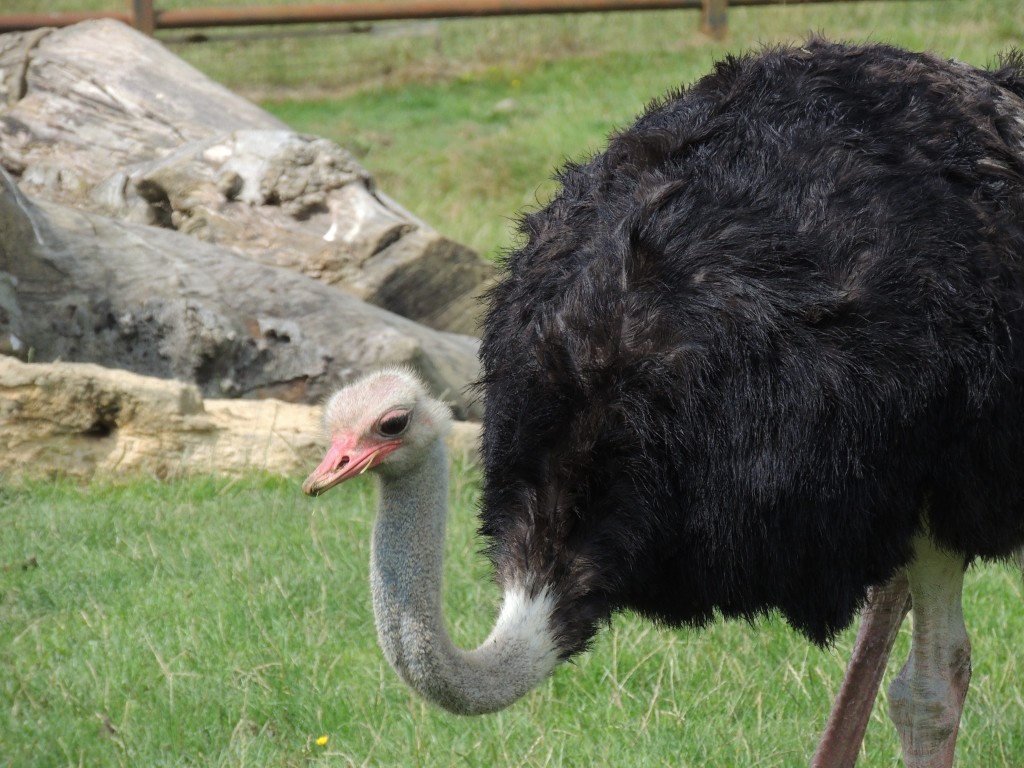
(393, 424)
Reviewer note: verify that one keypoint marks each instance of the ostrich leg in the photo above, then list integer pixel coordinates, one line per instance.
(879, 624)
(926, 699)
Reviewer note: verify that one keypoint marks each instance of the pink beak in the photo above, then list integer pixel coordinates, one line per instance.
(345, 459)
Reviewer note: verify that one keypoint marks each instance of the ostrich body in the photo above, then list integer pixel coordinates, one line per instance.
(762, 354)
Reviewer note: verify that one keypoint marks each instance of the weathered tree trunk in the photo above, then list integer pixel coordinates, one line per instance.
(78, 286)
(79, 420)
(103, 119)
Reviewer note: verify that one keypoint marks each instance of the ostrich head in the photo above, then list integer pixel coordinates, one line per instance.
(383, 422)
(388, 422)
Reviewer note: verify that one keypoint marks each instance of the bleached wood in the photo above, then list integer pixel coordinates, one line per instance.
(106, 120)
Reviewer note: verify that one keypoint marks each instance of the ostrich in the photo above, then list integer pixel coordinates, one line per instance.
(763, 354)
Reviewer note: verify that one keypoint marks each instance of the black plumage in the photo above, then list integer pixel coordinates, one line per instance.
(768, 335)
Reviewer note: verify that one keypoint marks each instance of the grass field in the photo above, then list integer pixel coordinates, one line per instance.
(218, 623)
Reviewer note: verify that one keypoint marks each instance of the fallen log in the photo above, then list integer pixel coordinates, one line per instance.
(103, 119)
(80, 287)
(84, 421)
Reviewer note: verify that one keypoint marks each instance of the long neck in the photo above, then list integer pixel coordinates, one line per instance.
(406, 566)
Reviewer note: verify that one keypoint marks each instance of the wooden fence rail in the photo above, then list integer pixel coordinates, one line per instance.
(142, 15)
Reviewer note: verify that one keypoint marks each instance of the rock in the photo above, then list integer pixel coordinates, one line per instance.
(84, 420)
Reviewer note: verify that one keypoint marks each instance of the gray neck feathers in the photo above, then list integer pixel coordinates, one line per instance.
(406, 573)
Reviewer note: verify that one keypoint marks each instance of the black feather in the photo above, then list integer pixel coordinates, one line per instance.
(765, 338)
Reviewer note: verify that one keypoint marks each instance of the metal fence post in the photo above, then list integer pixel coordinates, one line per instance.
(143, 16)
(714, 20)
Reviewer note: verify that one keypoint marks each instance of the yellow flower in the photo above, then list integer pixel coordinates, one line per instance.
(322, 741)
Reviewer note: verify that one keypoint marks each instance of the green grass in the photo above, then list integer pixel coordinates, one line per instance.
(222, 623)
(465, 126)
